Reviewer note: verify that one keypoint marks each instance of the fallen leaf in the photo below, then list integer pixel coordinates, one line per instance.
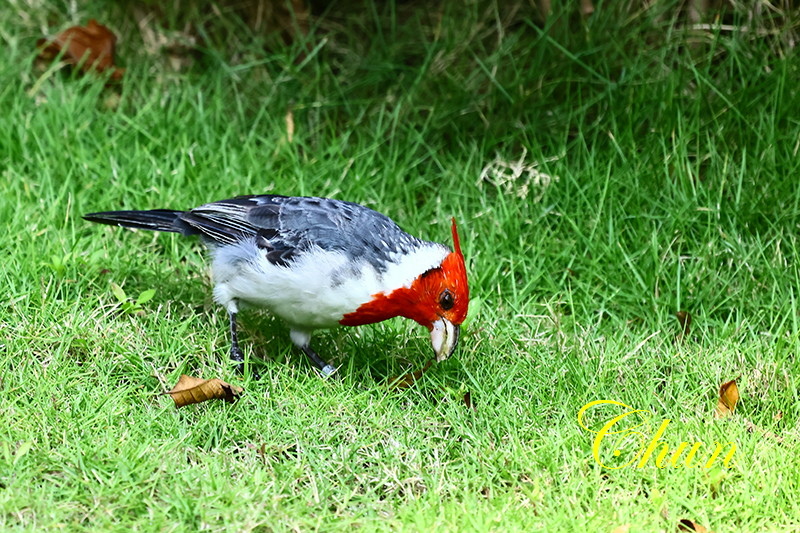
(685, 320)
(728, 397)
(406, 380)
(689, 525)
(89, 47)
(624, 528)
(468, 400)
(191, 390)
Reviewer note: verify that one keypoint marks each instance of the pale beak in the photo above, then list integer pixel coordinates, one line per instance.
(444, 337)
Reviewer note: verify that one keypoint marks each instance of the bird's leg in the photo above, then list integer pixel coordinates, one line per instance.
(324, 367)
(236, 353)
(302, 339)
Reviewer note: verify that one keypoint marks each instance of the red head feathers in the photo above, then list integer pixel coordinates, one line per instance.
(443, 292)
(437, 299)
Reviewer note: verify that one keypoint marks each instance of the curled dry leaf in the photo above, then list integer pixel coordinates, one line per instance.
(728, 397)
(191, 390)
(89, 47)
(690, 525)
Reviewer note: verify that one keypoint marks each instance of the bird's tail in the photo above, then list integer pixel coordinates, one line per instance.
(154, 220)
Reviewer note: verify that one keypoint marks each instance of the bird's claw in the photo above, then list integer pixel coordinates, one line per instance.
(238, 357)
(328, 371)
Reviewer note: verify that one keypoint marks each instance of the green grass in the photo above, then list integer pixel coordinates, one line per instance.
(676, 158)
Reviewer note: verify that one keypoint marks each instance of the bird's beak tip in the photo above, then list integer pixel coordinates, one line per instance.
(444, 338)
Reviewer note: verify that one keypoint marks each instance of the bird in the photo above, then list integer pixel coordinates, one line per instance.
(318, 263)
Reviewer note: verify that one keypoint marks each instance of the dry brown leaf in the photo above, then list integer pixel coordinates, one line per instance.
(689, 525)
(685, 320)
(728, 397)
(191, 390)
(89, 47)
(468, 400)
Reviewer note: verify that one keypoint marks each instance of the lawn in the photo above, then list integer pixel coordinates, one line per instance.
(606, 173)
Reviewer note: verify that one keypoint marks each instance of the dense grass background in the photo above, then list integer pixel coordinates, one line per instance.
(673, 157)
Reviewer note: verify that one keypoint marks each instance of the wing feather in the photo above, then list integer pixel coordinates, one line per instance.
(288, 226)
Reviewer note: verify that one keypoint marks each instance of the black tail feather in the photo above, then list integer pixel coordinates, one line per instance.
(154, 220)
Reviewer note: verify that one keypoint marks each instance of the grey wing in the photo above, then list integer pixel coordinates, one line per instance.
(287, 226)
(335, 225)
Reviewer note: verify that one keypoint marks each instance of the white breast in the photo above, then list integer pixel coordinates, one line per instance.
(318, 289)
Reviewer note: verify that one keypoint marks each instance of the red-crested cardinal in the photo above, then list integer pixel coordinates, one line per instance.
(318, 263)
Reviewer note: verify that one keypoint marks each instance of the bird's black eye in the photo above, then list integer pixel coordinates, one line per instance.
(446, 300)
